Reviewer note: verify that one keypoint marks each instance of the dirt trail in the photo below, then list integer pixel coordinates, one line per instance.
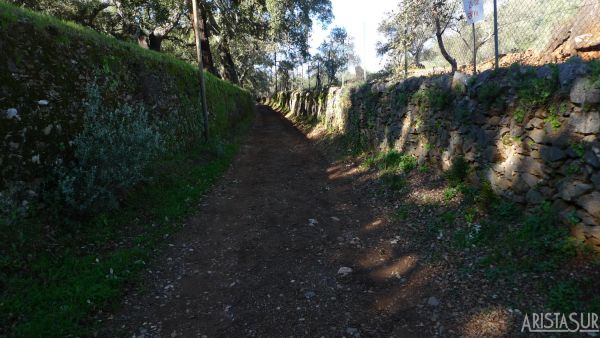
(261, 258)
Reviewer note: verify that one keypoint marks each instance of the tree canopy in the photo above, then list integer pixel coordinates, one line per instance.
(239, 37)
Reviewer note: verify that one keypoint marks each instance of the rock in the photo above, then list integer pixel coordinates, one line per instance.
(537, 135)
(483, 77)
(569, 71)
(534, 197)
(531, 166)
(583, 232)
(432, 301)
(12, 113)
(460, 82)
(584, 91)
(309, 294)
(519, 185)
(596, 180)
(591, 159)
(586, 218)
(585, 122)
(47, 130)
(43, 102)
(531, 180)
(344, 271)
(335, 219)
(545, 72)
(353, 332)
(378, 88)
(591, 203)
(535, 122)
(569, 190)
(552, 154)
(312, 222)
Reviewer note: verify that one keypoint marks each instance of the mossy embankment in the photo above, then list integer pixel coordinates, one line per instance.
(59, 270)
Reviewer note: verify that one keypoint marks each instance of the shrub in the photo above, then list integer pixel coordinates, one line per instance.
(486, 198)
(14, 204)
(435, 98)
(490, 95)
(111, 154)
(394, 160)
(536, 92)
(458, 171)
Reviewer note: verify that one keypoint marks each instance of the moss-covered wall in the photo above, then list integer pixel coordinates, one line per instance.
(46, 66)
(532, 133)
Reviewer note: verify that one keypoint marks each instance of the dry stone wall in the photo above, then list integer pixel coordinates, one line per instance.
(532, 133)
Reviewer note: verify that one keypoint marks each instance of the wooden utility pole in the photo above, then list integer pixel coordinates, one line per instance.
(201, 69)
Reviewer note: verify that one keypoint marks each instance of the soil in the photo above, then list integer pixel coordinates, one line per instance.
(269, 254)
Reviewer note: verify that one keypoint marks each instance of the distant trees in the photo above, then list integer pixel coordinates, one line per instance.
(334, 55)
(239, 37)
(412, 24)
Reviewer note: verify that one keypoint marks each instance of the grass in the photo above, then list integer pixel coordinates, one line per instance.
(70, 30)
(553, 120)
(490, 95)
(392, 160)
(534, 92)
(393, 167)
(458, 171)
(435, 98)
(519, 115)
(61, 289)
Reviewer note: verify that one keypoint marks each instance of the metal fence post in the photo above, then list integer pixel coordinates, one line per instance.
(496, 46)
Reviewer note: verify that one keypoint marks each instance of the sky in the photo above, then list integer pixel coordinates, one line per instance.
(354, 15)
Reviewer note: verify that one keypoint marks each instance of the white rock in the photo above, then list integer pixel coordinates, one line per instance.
(432, 301)
(12, 113)
(344, 271)
(43, 102)
(47, 130)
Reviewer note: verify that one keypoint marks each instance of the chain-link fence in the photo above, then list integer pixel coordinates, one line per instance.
(529, 31)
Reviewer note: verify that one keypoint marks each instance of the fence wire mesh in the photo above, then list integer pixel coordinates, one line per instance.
(529, 31)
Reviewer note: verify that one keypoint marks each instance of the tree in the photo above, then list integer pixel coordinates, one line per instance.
(232, 32)
(406, 31)
(444, 14)
(337, 52)
(413, 24)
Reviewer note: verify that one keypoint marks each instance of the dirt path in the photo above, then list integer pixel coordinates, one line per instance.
(262, 256)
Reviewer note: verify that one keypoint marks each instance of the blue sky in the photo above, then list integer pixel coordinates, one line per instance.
(354, 15)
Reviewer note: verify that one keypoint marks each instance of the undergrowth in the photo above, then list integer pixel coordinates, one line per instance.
(89, 263)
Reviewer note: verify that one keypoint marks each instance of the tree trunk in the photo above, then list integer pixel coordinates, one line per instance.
(155, 41)
(207, 58)
(229, 72)
(318, 76)
(440, 41)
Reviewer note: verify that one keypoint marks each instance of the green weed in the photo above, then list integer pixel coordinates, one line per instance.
(519, 115)
(490, 95)
(458, 171)
(391, 161)
(534, 92)
(553, 120)
(579, 149)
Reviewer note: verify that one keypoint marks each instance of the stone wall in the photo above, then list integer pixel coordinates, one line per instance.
(45, 68)
(532, 133)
